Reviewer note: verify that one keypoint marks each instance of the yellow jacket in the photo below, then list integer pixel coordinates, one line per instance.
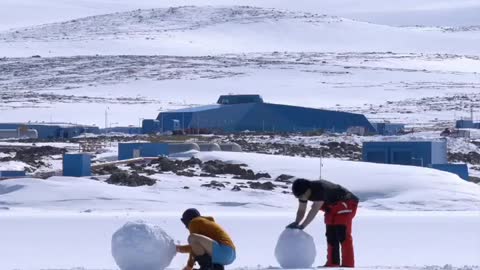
(206, 226)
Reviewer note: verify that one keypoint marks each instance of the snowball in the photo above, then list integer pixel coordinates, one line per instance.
(295, 249)
(138, 245)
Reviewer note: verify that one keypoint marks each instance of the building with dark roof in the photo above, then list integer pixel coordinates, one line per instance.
(240, 113)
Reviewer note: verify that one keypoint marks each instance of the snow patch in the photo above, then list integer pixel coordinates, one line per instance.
(13, 166)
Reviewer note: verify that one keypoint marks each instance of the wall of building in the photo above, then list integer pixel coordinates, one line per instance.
(388, 129)
(125, 130)
(464, 124)
(263, 117)
(77, 165)
(439, 152)
(151, 126)
(134, 150)
(49, 131)
(426, 154)
(459, 169)
(18, 133)
(402, 153)
(12, 174)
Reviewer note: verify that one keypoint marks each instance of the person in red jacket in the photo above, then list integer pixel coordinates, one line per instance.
(208, 243)
(340, 207)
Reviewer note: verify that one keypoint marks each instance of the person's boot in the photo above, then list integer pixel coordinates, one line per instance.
(205, 262)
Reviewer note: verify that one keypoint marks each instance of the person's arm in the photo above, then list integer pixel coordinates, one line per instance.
(193, 228)
(311, 215)
(191, 259)
(184, 248)
(302, 209)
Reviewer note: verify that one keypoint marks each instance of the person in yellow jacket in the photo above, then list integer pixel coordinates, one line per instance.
(208, 243)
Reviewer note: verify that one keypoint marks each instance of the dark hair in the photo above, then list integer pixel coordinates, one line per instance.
(300, 186)
(188, 215)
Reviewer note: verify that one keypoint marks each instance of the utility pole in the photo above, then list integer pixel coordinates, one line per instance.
(106, 121)
(321, 164)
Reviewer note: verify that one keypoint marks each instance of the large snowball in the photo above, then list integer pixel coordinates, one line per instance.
(295, 249)
(138, 245)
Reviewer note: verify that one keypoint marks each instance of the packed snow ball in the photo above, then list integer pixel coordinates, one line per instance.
(295, 249)
(138, 245)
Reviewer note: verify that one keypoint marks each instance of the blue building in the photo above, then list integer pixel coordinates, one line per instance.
(238, 113)
(141, 149)
(77, 165)
(388, 129)
(458, 169)
(132, 130)
(12, 174)
(464, 124)
(151, 126)
(53, 130)
(431, 154)
(419, 153)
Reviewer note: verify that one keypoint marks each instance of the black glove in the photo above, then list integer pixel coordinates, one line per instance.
(294, 225)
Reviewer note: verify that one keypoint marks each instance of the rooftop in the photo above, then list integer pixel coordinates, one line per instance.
(239, 99)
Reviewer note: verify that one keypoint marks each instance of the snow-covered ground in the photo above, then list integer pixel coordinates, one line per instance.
(411, 61)
(421, 76)
(382, 241)
(380, 187)
(68, 222)
(381, 85)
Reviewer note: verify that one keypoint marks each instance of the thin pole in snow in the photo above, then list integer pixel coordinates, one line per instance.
(106, 121)
(321, 164)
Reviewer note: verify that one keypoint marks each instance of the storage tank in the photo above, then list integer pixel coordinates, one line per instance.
(231, 147)
(205, 147)
(182, 147)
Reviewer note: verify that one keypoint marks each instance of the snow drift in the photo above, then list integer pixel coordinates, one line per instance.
(295, 249)
(379, 187)
(138, 245)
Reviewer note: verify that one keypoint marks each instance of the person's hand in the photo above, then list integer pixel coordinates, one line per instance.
(187, 268)
(293, 225)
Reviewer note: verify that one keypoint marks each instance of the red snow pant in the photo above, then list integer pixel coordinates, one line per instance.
(338, 220)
